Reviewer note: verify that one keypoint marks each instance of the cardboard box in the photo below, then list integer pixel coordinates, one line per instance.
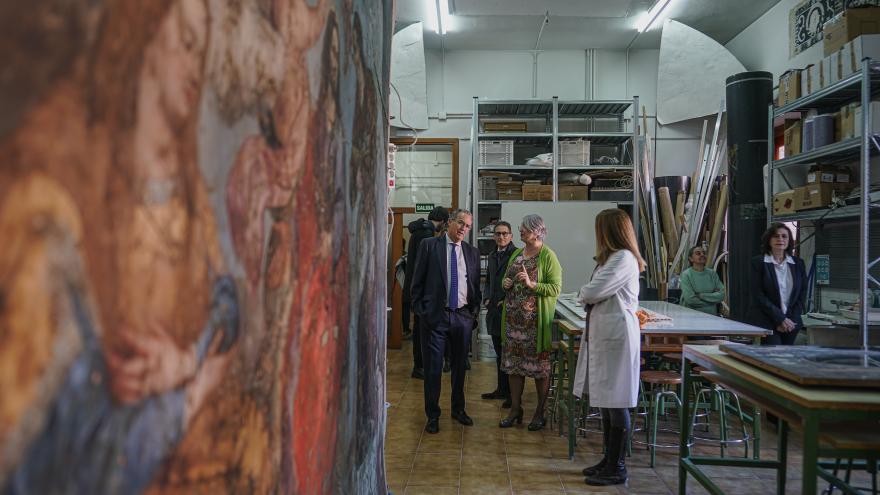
(847, 66)
(817, 79)
(792, 136)
(537, 192)
(875, 118)
(826, 72)
(572, 193)
(505, 127)
(789, 87)
(834, 65)
(821, 174)
(806, 81)
(838, 126)
(846, 126)
(783, 203)
(848, 25)
(509, 190)
(813, 196)
(865, 46)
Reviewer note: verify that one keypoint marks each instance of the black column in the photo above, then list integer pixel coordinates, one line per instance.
(748, 96)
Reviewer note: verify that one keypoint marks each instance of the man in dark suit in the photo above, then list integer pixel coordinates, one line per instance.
(498, 259)
(446, 296)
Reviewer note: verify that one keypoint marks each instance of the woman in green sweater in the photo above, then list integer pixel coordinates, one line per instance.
(701, 289)
(532, 282)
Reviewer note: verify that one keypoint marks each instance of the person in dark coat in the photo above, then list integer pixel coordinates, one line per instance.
(446, 295)
(494, 299)
(778, 287)
(419, 230)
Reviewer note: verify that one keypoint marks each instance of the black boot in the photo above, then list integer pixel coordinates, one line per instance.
(606, 443)
(614, 472)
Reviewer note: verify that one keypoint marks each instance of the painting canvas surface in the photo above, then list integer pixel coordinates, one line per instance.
(191, 203)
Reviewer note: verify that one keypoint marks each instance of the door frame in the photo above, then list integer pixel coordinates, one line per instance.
(395, 332)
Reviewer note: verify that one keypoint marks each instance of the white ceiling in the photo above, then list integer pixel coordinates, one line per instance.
(575, 24)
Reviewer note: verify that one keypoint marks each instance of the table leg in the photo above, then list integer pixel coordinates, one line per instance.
(781, 456)
(560, 379)
(683, 450)
(756, 432)
(570, 399)
(756, 420)
(811, 454)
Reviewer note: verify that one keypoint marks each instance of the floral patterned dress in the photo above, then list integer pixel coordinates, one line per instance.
(520, 356)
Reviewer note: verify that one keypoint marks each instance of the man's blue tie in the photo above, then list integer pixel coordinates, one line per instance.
(453, 279)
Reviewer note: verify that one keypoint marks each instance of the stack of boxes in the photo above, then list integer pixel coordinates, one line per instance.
(823, 183)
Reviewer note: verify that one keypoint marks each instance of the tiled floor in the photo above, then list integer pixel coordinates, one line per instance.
(484, 459)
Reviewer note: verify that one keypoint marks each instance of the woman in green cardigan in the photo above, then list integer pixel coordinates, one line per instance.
(533, 281)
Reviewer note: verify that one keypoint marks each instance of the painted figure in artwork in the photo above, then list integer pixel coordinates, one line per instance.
(155, 342)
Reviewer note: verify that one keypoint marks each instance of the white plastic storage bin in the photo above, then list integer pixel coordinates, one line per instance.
(496, 152)
(575, 152)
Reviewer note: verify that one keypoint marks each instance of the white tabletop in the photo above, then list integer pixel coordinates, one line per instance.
(685, 321)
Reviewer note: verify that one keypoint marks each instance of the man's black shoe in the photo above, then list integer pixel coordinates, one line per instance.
(495, 394)
(506, 403)
(418, 373)
(433, 426)
(462, 418)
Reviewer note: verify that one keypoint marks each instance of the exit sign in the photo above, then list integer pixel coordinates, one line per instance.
(424, 207)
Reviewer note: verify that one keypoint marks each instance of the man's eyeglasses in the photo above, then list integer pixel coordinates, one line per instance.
(501, 234)
(462, 224)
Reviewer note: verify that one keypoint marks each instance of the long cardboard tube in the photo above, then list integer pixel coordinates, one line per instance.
(679, 211)
(666, 215)
(715, 237)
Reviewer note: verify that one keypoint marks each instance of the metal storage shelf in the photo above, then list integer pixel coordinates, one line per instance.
(834, 152)
(607, 113)
(848, 89)
(524, 168)
(596, 167)
(598, 137)
(514, 135)
(515, 108)
(863, 87)
(607, 108)
(850, 211)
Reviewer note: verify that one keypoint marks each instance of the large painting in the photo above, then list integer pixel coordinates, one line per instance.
(808, 17)
(192, 218)
(806, 20)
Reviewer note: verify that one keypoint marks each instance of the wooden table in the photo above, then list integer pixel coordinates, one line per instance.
(685, 322)
(806, 407)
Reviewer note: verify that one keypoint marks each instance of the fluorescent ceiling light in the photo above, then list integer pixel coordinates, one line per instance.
(646, 19)
(445, 16)
(439, 18)
(431, 19)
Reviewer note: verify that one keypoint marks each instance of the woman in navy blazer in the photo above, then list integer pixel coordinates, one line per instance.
(777, 277)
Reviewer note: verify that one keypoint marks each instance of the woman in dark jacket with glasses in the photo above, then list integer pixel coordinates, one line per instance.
(778, 286)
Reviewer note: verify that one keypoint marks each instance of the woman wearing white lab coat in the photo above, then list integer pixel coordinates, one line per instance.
(609, 363)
